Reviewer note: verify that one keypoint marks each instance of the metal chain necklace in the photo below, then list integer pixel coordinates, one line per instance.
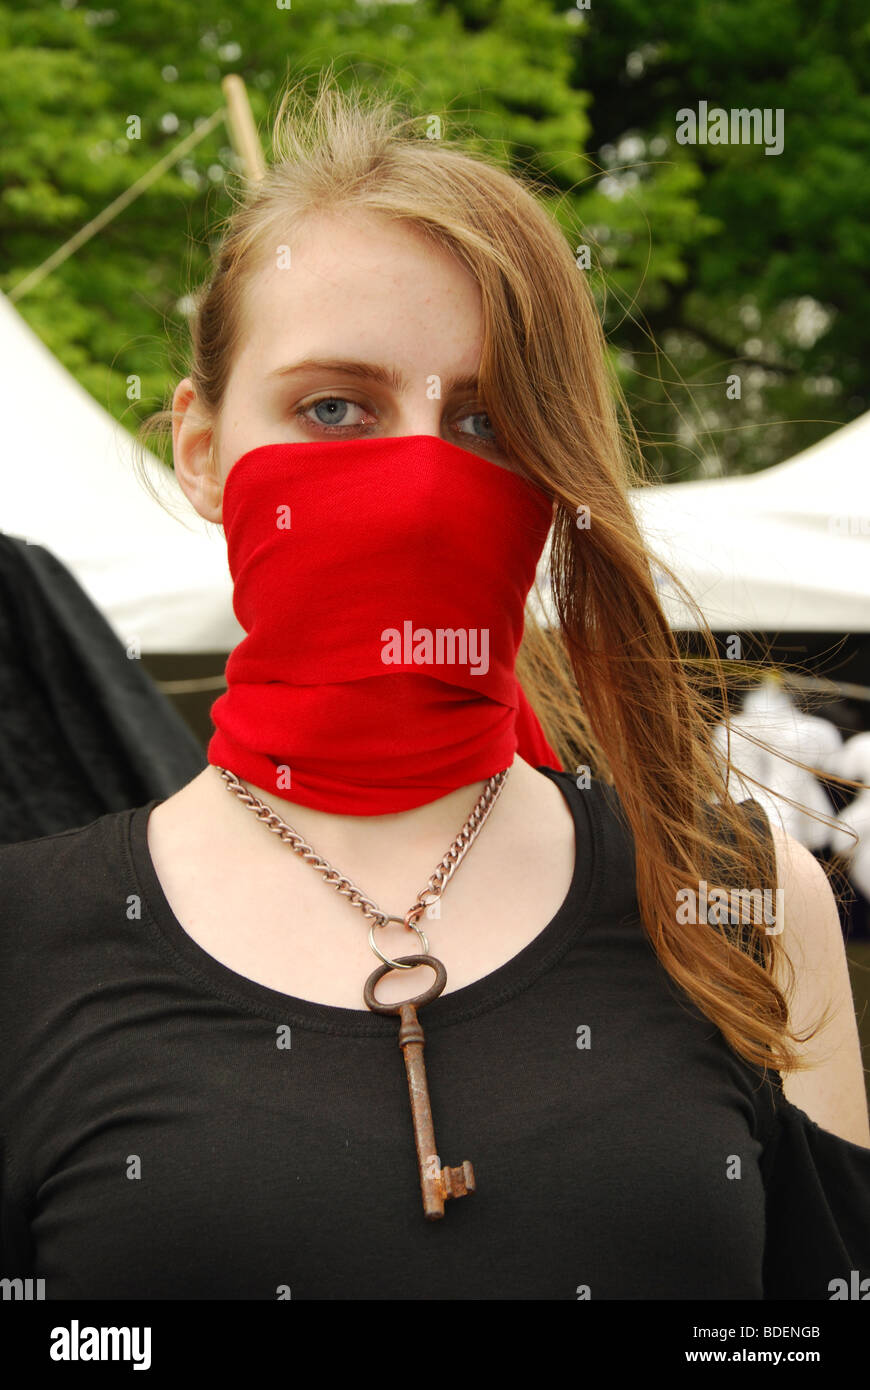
(437, 1183)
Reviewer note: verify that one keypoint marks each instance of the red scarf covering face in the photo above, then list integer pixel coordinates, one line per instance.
(382, 583)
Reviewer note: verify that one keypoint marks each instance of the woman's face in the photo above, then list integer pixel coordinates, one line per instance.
(369, 331)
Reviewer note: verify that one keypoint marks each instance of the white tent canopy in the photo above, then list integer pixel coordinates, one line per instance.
(68, 484)
(787, 549)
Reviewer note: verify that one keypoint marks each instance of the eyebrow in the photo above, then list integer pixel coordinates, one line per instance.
(371, 371)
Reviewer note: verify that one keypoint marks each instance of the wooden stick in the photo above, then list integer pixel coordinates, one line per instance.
(240, 123)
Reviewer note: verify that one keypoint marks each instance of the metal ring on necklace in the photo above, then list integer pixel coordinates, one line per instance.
(394, 964)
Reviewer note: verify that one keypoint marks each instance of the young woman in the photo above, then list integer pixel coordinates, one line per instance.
(397, 386)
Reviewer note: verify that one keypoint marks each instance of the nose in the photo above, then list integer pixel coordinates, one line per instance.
(418, 417)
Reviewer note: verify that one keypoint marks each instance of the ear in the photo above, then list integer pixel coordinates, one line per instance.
(193, 453)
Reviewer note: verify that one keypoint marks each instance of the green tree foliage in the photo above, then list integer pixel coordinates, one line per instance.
(725, 258)
(707, 260)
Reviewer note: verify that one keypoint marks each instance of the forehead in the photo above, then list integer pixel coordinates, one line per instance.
(359, 283)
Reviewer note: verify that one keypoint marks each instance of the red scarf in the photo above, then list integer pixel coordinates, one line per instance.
(382, 584)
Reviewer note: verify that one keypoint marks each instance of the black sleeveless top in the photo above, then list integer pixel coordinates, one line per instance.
(170, 1129)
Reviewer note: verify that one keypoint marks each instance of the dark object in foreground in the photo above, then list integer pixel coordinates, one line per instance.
(84, 730)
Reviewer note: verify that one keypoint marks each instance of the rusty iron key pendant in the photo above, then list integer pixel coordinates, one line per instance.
(437, 1183)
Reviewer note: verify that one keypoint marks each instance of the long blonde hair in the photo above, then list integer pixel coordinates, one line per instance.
(610, 686)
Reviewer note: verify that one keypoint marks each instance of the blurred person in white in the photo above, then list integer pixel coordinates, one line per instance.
(770, 714)
(853, 761)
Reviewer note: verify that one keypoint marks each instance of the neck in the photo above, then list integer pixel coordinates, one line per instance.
(347, 840)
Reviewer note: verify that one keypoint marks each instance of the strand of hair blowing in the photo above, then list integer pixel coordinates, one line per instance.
(612, 684)
(643, 721)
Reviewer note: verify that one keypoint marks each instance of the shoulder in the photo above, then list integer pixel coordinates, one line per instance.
(817, 988)
(17, 856)
(56, 878)
(23, 864)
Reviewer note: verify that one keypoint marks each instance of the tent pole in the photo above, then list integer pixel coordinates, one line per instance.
(243, 131)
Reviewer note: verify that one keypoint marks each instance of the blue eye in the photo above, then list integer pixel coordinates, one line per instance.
(332, 410)
(481, 415)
